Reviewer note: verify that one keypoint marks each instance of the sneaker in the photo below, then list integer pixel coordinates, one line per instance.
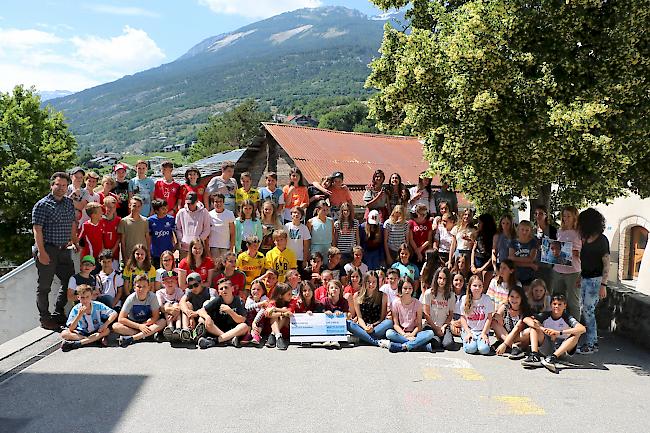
(271, 341)
(395, 347)
(67, 346)
(186, 335)
(168, 333)
(235, 342)
(516, 353)
(532, 361)
(385, 344)
(549, 362)
(428, 348)
(176, 336)
(125, 340)
(585, 349)
(595, 348)
(206, 342)
(281, 343)
(198, 332)
(159, 337)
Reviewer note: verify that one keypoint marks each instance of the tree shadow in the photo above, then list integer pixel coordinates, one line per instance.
(40, 402)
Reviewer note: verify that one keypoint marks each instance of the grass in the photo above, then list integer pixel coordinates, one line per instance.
(175, 157)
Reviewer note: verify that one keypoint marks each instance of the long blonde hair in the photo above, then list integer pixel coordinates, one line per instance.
(363, 291)
(468, 292)
(574, 213)
(398, 208)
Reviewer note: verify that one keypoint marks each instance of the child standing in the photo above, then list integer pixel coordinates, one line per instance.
(420, 234)
(281, 258)
(295, 194)
(371, 236)
(167, 189)
(407, 333)
(565, 277)
(444, 241)
(246, 192)
(222, 228)
(346, 232)
(523, 253)
(133, 229)
(270, 223)
(192, 178)
(91, 231)
(395, 233)
(321, 228)
(502, 239)
(109, 224)
(272, 192)
(121, 190)
(246, 225)
(140, 314)
(299, 236)
(88, 321)
(481, 257)
(162, 227)
(225, 184)
(143, 187)
(476, 317)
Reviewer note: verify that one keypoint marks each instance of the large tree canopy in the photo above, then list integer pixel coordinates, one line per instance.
(512, 95)
(34, 143)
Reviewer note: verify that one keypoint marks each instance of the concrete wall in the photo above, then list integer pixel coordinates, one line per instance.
(18, 312)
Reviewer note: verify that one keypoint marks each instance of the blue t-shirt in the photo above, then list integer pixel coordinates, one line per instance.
(524, 273)
(266, 194)
(409, 270)
(143, 188)
(93, 321)
(161, 230)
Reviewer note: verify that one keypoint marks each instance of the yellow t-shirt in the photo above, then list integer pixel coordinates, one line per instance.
(240, 195)
(281, 261)
(251, 266)
(130, 274)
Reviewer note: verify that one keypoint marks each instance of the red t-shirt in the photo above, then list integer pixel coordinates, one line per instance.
(238, 279)
(420, 231)
(350, 290)
(185, 188)
(93, 237)
(320, 294)
(109, 231)
(168, 192)
(206, 265)
(338, 196)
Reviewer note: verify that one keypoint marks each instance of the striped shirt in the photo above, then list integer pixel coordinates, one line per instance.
(56, 218)
(396, 233)
(346, 237)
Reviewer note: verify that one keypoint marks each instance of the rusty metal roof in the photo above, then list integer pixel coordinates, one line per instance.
(320, 152)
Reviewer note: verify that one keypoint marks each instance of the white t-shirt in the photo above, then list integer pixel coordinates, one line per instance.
(297, 234)
(349, 267)
(392, 293)
(110, 283)
(439, 306)
(460, 233)
(478, 312)
(220, 228)
(444, 239)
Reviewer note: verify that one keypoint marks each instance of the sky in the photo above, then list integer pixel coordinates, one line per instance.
(76, 44)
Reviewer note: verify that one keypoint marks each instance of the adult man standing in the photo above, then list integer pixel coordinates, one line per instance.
(55, 228)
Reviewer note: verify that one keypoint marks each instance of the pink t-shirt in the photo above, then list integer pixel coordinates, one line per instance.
(407, 315)
(574, 237)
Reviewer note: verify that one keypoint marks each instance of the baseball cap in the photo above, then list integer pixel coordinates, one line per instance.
(336, 174)
(194, 277)
(191, 197)
(373, 217)
(77, 170)
(120, 166)
(166, 275)
(88, 259)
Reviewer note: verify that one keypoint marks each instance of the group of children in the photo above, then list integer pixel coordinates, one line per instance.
(227, 265)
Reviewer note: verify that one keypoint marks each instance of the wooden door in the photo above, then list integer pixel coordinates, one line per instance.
(638, 243)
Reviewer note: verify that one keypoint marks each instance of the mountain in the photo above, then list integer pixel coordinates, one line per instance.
(297, 55)
(46, 95)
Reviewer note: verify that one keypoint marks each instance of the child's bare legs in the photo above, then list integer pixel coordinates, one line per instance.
(238, 331)
(567, 345)
(277, 324)
(74, 336)
(139, 334)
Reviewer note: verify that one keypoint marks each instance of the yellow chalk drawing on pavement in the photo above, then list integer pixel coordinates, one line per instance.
(469, 374)
(517, 405)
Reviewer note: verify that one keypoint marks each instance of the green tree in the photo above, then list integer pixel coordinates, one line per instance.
(34, 143)
(349, 117)
(514, 96)
(231, 130)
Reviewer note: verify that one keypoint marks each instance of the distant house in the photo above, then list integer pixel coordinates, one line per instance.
(177, 147)
(302, 120)
(211, 166)
(103, 159)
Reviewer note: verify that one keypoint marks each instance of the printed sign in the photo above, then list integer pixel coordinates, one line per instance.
(557, 252)
(317, 328)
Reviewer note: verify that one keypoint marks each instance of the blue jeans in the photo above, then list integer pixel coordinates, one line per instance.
(378, 333)
(589, 289)
(421, 339)
(476, 344)
(106, 300)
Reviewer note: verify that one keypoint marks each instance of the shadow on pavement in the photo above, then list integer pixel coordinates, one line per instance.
(37, 402)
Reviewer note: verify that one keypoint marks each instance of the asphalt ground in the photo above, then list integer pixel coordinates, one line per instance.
(152, 387)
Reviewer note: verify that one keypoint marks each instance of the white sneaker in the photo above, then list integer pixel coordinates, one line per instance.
(384, 344)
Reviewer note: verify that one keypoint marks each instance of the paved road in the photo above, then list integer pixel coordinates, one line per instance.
(151, 387)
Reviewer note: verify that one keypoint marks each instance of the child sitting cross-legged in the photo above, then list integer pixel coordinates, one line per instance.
(224, 318)
(169, 298)
(140, 314)
(88, 321)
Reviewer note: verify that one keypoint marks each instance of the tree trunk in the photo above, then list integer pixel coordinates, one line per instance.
(543, 198)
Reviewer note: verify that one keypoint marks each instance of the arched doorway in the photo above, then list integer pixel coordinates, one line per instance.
(636, 247)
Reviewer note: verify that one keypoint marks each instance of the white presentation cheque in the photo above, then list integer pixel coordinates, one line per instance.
(317, 328)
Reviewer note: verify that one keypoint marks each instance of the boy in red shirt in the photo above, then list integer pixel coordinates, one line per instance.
(108, 224)
(167, 189)
(91, 232)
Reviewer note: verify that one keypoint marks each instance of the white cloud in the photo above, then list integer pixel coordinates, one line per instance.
(121, 10)
(32, 57)
(18, 39)
(257, 8)
(130, 52)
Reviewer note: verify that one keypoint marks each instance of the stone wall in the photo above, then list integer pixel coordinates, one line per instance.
(626, 312)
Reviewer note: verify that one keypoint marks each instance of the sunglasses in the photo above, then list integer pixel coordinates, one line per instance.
(194, 285)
